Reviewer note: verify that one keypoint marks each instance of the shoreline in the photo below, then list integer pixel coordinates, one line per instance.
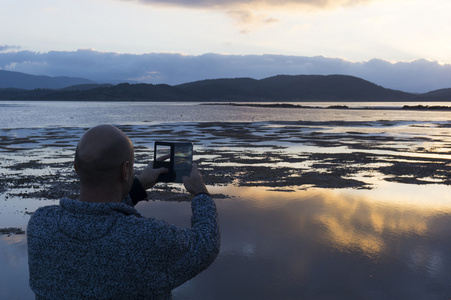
(297, 106)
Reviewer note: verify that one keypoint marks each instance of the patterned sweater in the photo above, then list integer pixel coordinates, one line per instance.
(80, 250)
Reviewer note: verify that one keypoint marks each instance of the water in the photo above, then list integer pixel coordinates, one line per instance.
(301, 241)
(26, 114)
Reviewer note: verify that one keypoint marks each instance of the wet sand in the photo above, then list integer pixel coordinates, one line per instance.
(286, 156)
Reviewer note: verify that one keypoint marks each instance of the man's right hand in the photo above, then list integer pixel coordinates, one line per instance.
(194, 184)
(149, 176)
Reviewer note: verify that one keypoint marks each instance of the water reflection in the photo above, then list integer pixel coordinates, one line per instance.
(323, 244)
(14, 268)
(307, 244)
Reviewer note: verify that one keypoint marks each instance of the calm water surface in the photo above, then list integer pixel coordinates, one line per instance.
(26, 114)
(390, 242)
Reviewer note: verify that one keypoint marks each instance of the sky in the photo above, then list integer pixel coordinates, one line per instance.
(400, 44)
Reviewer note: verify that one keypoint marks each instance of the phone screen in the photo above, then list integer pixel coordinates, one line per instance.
(163, 151)
(176, 157)
(183, 161)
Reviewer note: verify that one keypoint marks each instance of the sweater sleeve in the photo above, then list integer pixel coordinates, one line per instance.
(196, 248)
(137, 192)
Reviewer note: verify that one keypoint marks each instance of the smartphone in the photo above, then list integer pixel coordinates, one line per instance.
(178, 159)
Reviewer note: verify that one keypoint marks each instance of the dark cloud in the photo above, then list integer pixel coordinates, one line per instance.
(174, 68)
(212, 4)
(245, 12)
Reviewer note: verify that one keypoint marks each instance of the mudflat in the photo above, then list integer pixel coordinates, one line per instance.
(37, 163)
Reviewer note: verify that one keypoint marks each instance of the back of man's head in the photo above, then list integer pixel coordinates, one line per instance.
(100, 154)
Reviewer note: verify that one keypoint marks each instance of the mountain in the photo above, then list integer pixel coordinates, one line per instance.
(10, 79)
(293, 88)
(85, 87)
(437, 95)
(278, 88)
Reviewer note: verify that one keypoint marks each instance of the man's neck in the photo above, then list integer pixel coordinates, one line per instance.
(99, 195)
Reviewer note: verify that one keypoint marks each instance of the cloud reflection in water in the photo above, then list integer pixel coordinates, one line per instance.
(324, 244)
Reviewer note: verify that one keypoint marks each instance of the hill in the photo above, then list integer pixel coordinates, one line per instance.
(273, 89)
(437, 95)
(17, 80)
(293, 88)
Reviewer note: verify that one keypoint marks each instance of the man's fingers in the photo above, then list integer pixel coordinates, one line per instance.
(194, 169)
(164, 157)
(161, 170)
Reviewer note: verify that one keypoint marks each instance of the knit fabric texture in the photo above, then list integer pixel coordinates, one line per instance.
(80, 250)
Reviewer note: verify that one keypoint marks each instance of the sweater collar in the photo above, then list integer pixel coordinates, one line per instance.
(80, 207)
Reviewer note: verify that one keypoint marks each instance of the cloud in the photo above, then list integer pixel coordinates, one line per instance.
(242, 16)
(4, 48)
(175, 68)
(245, 12)
(248, 21)
(255, 4)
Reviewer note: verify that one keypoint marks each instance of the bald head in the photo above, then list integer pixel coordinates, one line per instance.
(100, 153)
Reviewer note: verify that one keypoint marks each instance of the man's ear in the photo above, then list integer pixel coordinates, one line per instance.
(125, 171)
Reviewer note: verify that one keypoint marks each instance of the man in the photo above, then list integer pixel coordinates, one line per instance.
(100, 247)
